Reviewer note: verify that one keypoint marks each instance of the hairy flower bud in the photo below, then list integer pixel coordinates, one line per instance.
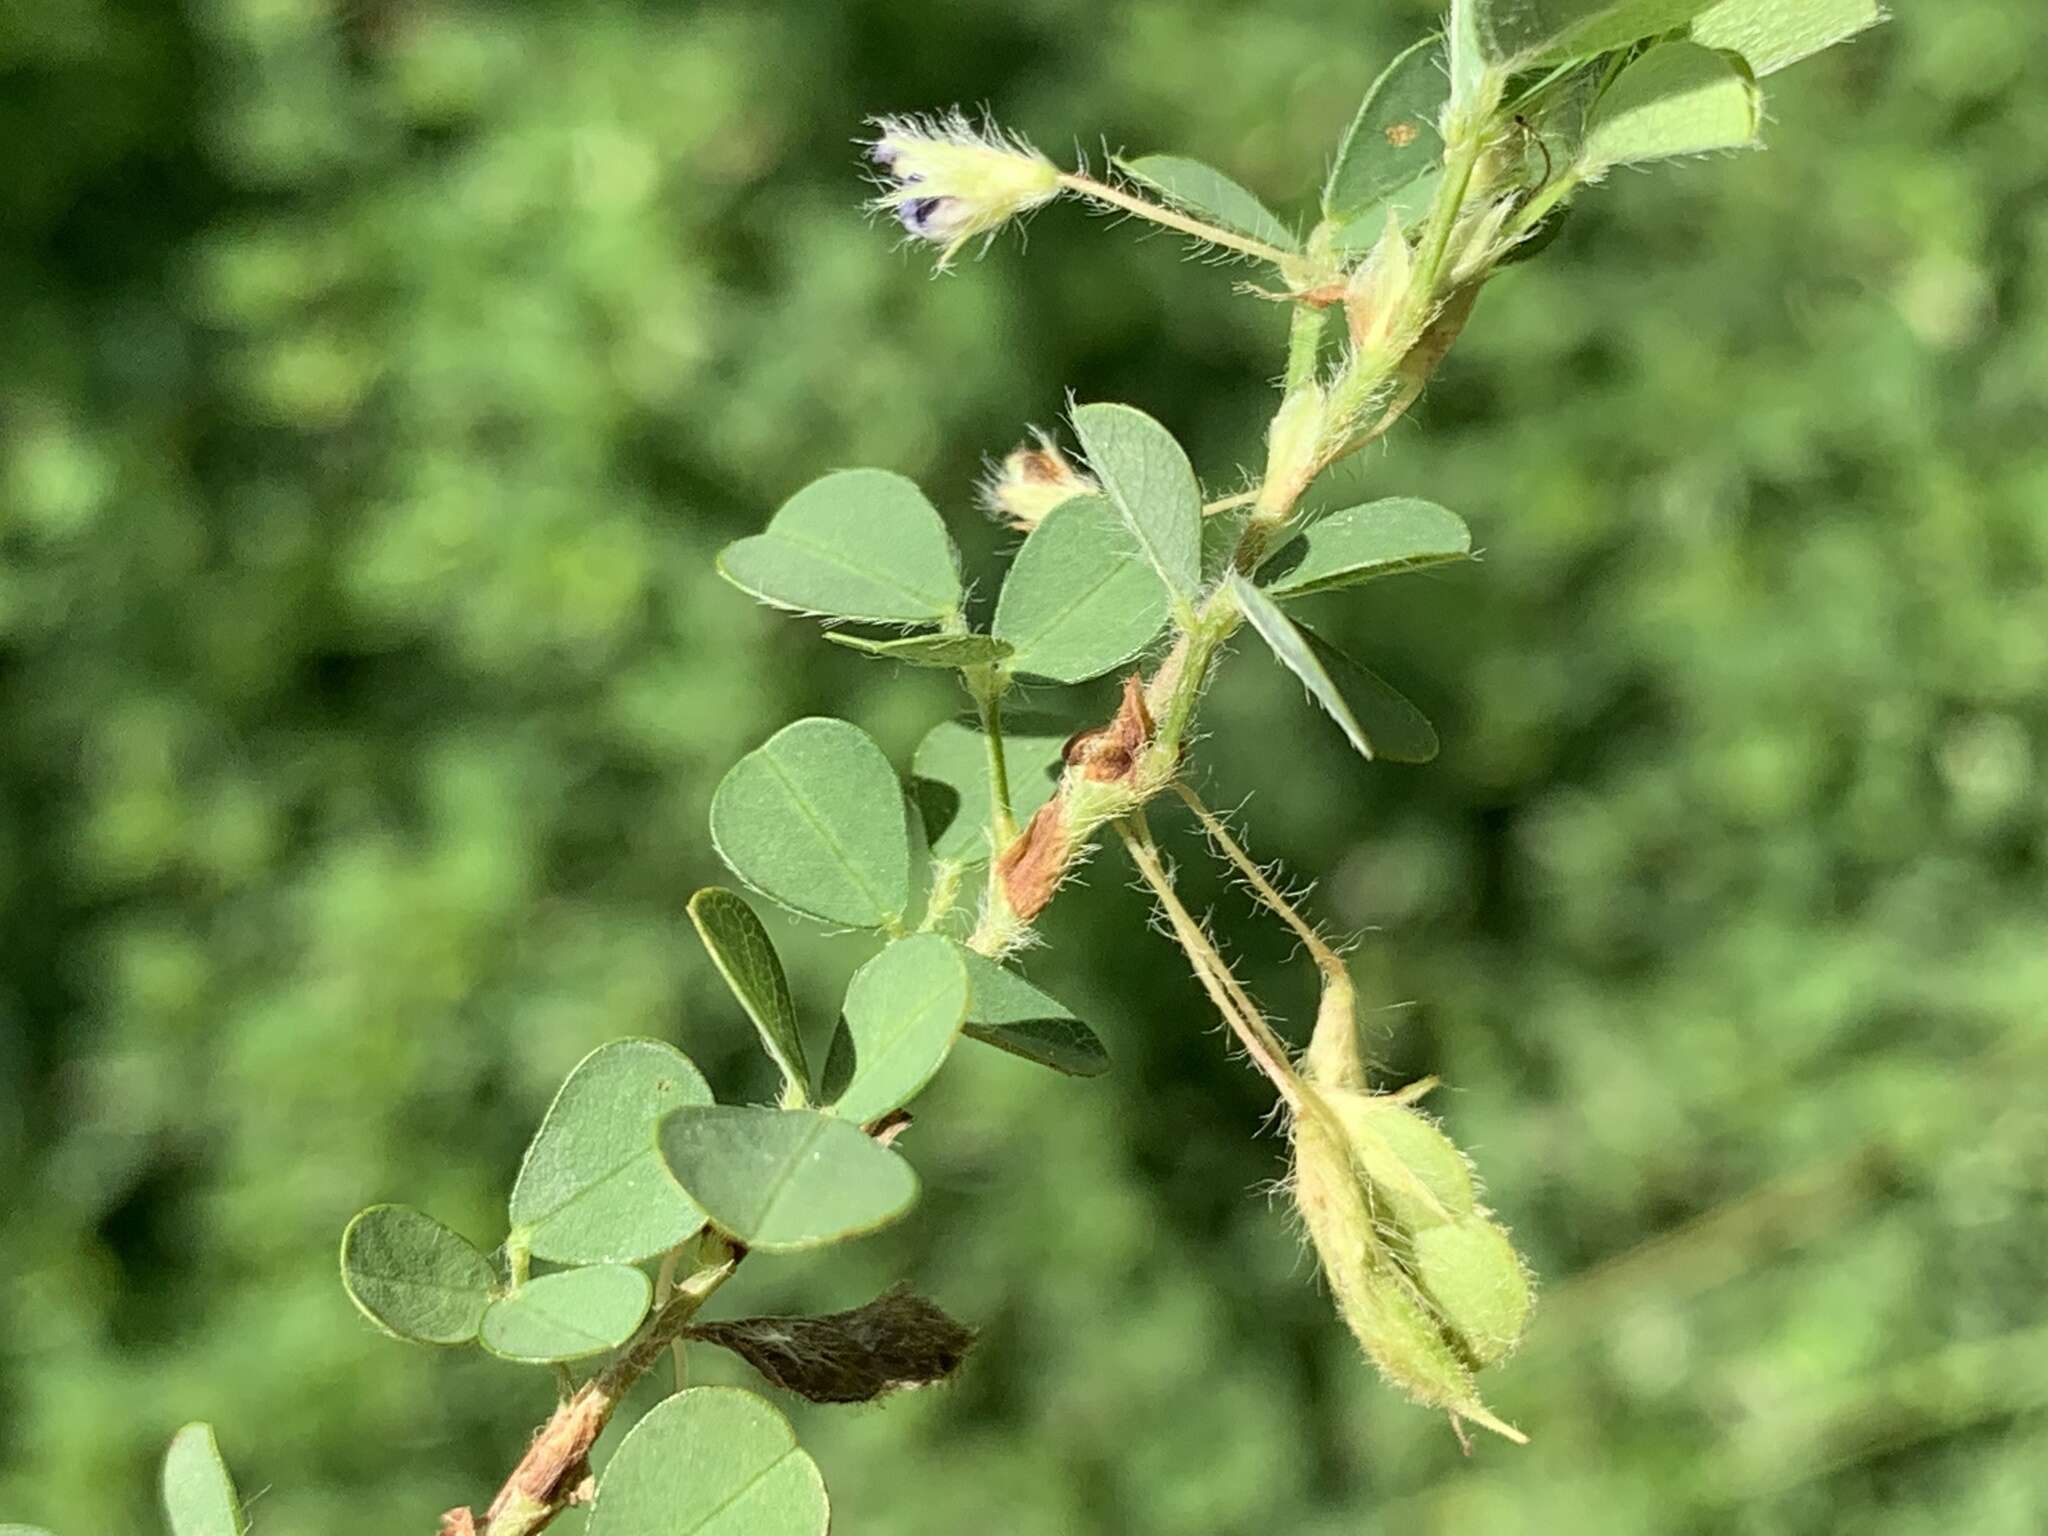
(1033, 478)
(946, 181)
(1376, 295)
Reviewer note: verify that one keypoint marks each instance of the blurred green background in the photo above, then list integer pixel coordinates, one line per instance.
(378, 379)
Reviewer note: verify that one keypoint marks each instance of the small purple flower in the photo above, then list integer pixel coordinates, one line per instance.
(923, 216)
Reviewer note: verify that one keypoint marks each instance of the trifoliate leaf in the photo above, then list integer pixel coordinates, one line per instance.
(413, 1277)
(1677, 99)
(950, 783)
(570, 1315)
(960, 651)
(1079, 601)
(1394, 137)
(1008, 1012)
(1209, 194)
(814, 818)
(1152, 486)
(858, 544)
(785, 1179)
(745, 956)
(1376, 719)
(1770, 34)
(903, 1012)
(592, 1189)
(1359, 544)
(199, 1496)
(711, 1461)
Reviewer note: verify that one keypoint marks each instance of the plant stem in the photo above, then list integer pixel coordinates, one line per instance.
(1210, 234)
(548, 1478)
(1002, 820)
(1211, 969)
(1304, 346)
(1459, 161)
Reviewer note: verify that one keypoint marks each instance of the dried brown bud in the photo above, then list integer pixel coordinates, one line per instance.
(1031, 867)
(1109, 753)
(898, 1340)
(1031, 481)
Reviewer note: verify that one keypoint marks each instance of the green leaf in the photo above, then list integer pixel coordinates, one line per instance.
(1150, 482)
(903, 1012)
(592, 1189)
(745, 956)
(1409, 204)
(1209, 194)
(1394, 138)
(1077, 602)
(1514, 34)
(858, 544)
(961, 651)
(1400, 732)
(568, 1316)
(1376, 719)
(814, 819)
(1677, 99)
(1770, 34)
(1221, 533)
(711, 1461)
(950, 780)
(1360, 543)
(413, 1277)
(199, 1496)
(1006, 1011)
(785, 1179)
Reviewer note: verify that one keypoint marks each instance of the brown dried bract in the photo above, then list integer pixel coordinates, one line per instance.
(458, 1522)
(1031, 867)
(896, 1341)
(1110, 752)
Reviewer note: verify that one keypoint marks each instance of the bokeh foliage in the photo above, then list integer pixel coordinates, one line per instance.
(380, 379)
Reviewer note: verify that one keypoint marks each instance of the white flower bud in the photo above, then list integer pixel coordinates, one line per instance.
(946, 181)
(1033, 478)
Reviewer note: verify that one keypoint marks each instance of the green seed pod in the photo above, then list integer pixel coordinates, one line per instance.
(1419, 1177)
(1478, 1285)
(1379, 1302)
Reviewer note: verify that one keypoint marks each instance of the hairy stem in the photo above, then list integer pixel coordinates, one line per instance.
(1264, 1047)
(1209, 234)
(549, 1476)
(1002, 821)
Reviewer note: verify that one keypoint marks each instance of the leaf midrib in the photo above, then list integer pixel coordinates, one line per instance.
(826, 836)
(831, 556)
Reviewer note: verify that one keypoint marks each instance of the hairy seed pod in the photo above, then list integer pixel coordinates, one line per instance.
(1377, 1302)
(1478, 1285)
(1419, 1178)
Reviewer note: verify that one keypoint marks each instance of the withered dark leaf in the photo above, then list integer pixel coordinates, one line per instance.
(898, 1340)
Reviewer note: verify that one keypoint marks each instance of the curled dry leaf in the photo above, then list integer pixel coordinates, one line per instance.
(896, 1341)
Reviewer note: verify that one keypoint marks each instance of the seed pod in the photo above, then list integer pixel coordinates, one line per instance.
(1478, 1285)
(1379, 1302)
(1419, 1178)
